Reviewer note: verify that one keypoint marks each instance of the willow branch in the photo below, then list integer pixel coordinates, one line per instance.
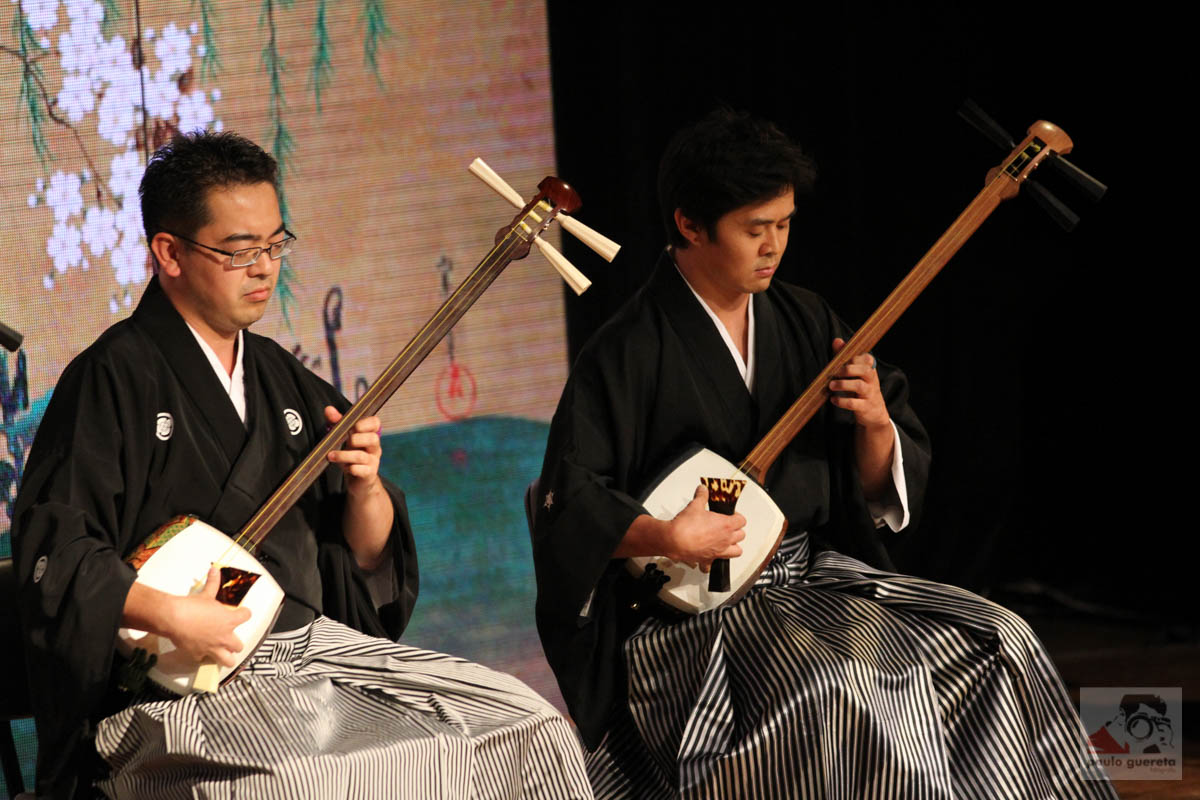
(52, 113)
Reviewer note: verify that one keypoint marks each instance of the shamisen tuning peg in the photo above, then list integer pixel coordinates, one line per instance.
(606, 248)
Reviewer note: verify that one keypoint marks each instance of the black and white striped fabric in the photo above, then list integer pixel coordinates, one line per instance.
(842, 681)
(326, 712)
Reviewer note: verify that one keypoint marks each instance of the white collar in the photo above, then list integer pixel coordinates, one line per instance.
(745, 366)
(235, 384)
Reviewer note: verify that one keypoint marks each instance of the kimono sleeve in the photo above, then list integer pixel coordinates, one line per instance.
(852, 530)
(72, 583)
(581, 515)
(354, 597)
(378, 603)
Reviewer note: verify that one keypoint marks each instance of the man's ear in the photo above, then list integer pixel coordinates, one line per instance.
(165, 248)
(689, 229)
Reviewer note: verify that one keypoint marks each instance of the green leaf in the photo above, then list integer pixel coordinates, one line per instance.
(112, 13)
(32, 79)
(210, 63)
(321, 70)
(375, 30)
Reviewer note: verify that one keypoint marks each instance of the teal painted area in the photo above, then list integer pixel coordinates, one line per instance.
(25, 738)
(465, 483)
(18, 436)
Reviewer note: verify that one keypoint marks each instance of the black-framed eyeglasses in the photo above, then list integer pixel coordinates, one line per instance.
(245, 257)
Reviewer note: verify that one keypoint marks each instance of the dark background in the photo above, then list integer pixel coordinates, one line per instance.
(1059, 428)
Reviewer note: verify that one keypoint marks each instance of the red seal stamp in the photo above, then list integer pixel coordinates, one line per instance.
(455, 390)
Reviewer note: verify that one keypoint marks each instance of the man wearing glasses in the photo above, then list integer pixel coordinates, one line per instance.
(181, 410)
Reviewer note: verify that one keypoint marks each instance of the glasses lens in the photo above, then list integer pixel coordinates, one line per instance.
(281, 249)
(246, 257)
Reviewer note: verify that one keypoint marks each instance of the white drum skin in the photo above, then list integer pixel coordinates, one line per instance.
(180, 567)
(687, 587)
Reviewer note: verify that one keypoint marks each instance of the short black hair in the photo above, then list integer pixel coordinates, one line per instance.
(175, 185)
(1130, 703)
(725, 161)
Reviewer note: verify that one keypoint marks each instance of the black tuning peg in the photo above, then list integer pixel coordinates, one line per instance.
(1065, 217)
(1091, 188)
(978, 119)
(1085, 184)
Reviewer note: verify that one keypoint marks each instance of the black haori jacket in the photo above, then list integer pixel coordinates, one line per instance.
(139, 430)
(654, 381)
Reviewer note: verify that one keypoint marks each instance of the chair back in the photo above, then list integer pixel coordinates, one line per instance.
(14, 682)
(531, 493)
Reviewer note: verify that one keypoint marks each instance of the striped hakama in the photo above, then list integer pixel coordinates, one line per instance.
(328, 712)
(843, 681)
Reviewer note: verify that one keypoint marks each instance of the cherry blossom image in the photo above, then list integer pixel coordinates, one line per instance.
(118, 89)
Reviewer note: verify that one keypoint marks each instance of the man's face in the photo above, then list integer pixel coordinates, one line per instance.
(213, 294)
(743, 250)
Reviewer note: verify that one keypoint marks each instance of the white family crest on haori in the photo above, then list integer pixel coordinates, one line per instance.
(164, 425)
(39, 569)
(294, 423)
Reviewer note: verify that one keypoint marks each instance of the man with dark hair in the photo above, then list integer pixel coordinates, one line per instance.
(833, 676)
(1140, 726)
(180, 410)
(731, 161)
(174, 189)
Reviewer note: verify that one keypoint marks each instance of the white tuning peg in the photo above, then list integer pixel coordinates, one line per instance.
(578, 282)
(605, 247)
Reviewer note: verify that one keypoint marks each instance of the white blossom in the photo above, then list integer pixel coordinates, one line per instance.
(82, 11)
(174, 50)
(98, 78)
(80, 45)
(161, 95)
(194, 112)
(99, 230)
(129, 222)
(112, 61)
(41, 14)
(129, 262)
(78, 49)
(77, 97)
(63, 247)
(117, 112)
(125, 173)
(63, 195)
